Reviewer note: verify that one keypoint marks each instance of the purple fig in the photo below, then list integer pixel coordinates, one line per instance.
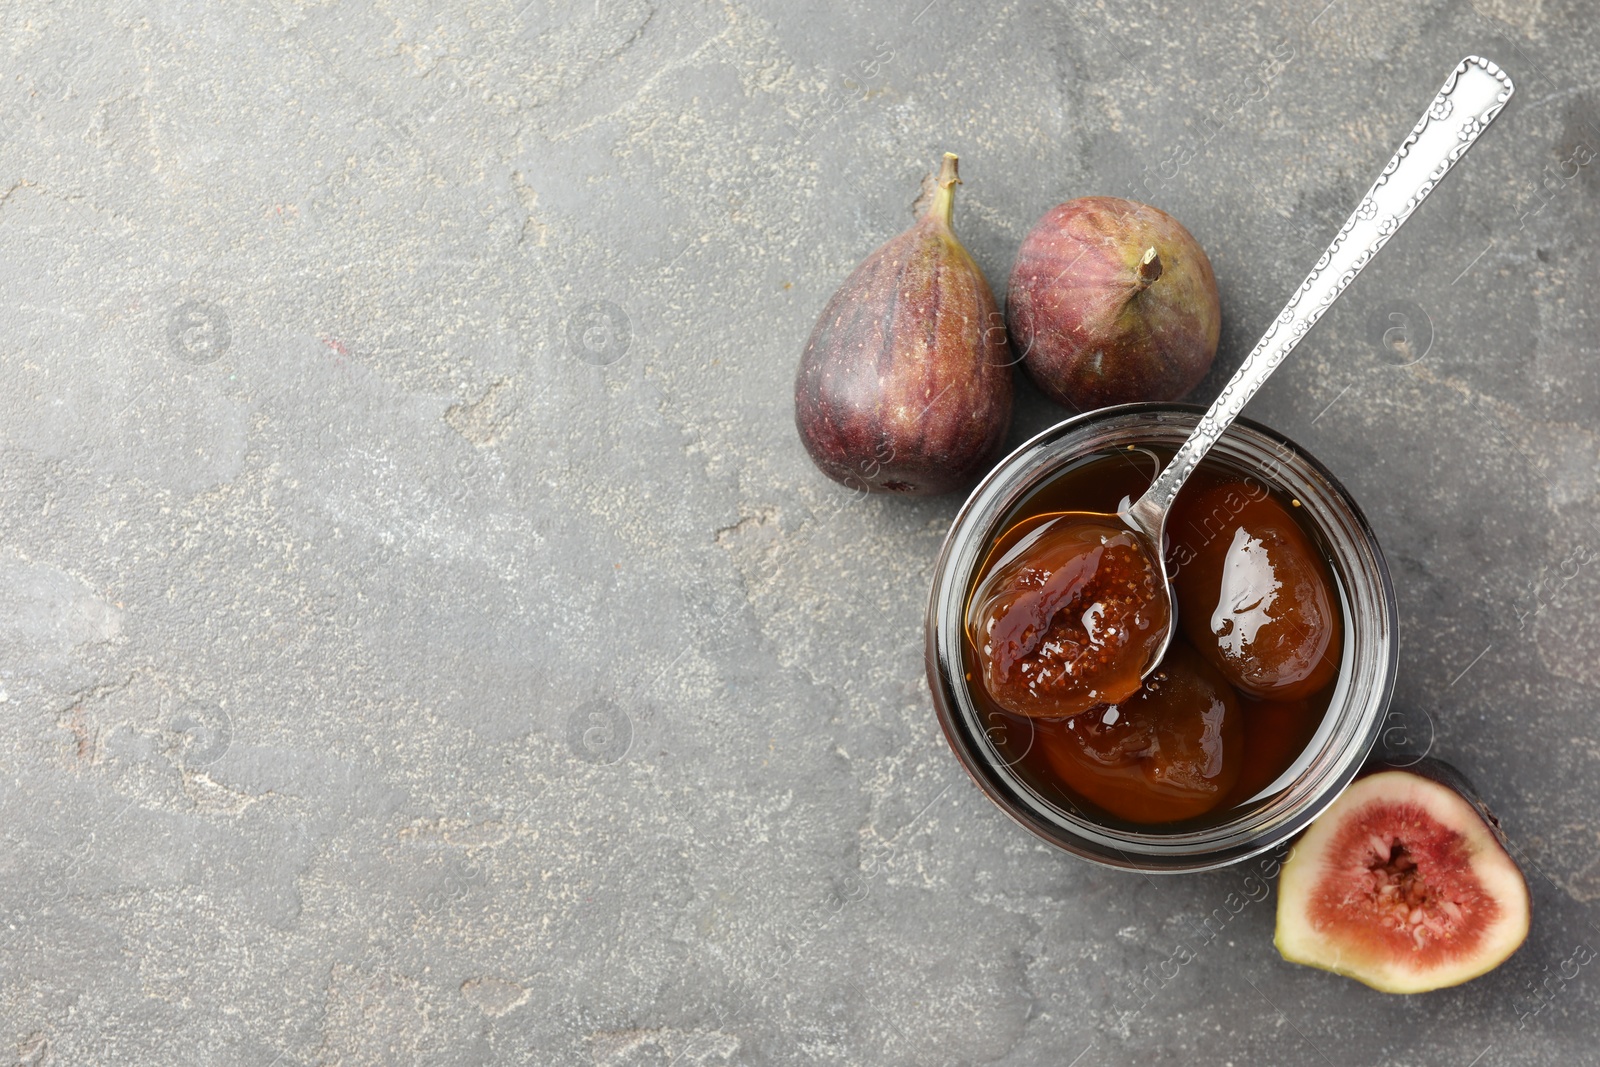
(905, 385)
(1112, 301)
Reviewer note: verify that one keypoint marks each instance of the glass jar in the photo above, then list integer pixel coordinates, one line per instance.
(1360, 699)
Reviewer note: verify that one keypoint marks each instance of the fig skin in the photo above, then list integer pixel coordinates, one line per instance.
(905, 385)
(1446, 904)
(1110, 302)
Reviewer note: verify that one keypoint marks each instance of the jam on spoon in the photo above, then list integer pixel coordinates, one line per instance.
(1070, 617)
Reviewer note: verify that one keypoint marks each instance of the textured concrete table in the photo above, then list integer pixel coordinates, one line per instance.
(425, 641)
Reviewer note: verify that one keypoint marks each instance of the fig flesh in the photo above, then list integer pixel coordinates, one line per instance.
(1112, 301)
(905, 385)
(1404, 883)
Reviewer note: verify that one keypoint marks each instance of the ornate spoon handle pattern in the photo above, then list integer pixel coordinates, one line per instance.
(1472, 96)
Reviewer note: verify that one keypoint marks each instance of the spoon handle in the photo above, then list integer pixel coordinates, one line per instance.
(1472, 96)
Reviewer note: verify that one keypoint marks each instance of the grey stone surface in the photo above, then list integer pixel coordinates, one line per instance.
(423, 639)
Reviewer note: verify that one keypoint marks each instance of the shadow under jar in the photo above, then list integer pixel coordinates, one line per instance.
(1289, 757)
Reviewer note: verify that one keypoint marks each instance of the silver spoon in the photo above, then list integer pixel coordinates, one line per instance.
(1472, 96)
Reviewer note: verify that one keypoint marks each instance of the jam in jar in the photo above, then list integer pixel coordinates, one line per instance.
(1059, 610)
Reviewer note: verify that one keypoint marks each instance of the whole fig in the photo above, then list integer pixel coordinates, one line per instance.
(905, 384)
(1112, 301)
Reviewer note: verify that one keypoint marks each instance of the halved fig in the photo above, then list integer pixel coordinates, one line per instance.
(1404, 883)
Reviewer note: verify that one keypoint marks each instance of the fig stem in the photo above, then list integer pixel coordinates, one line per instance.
(1149, 269)
(944, 197)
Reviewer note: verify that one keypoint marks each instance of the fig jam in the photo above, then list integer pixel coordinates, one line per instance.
(1246, 681)
(1068, 618)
